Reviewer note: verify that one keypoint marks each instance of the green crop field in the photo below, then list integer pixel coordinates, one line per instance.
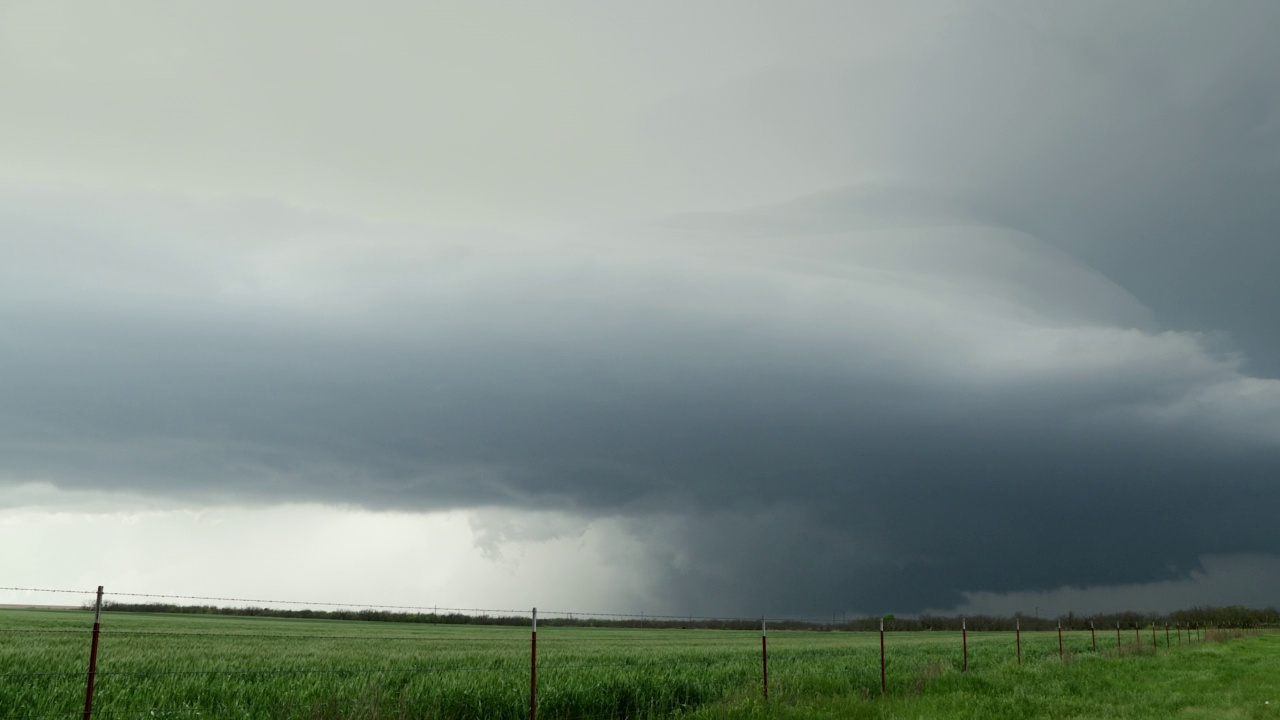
(188, 666)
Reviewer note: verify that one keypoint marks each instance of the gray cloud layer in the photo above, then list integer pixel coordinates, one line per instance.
(982, 366)
(911, 410)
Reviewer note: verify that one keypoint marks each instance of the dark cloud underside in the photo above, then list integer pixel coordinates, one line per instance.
(1028, 345)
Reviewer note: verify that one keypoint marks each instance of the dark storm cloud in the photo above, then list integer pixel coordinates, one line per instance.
(983, 373)
(1142, 138)
(879, 416)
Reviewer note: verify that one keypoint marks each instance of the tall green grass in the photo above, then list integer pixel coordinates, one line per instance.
(1205, 681)
(187, 666)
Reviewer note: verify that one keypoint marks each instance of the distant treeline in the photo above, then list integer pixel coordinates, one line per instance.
(1231, 616)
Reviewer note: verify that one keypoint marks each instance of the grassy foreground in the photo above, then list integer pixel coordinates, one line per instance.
(1215, 680)
(184, 666)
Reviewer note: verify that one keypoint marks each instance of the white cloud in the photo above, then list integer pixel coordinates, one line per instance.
(310, 553)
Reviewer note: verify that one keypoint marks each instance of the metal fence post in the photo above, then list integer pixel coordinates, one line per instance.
(533, 669)
(764, 655)
(1017, 629)
(1059, 639)
(883, 689)
(1093, 636)
(964, 637)
(1117, 636)
(93, 656)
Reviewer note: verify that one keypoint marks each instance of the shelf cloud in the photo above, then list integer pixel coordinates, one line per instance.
(982, 314)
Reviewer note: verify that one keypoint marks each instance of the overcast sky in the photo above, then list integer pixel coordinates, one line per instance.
(693, 308)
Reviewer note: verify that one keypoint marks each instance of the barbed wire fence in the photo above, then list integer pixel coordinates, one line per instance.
(31, 693)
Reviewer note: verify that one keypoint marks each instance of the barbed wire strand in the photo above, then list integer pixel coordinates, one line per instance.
(76, 631)
(436, 609)
(549, 614)
(269, 636)
(279, 706)
(514, 664)
(51, 590)
(260, 707)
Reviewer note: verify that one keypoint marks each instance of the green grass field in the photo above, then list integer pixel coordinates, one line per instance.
(185, 666)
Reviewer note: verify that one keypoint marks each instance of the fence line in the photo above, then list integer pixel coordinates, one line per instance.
(437, 609)
(584, 615)
(1195, 633)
